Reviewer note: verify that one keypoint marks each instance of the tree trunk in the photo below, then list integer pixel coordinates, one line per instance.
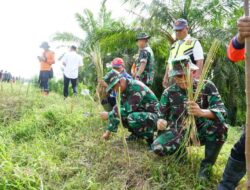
(247, 77)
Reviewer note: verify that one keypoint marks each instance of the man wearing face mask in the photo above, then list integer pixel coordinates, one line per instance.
(185, 45)
(174, 107)
(138, 109)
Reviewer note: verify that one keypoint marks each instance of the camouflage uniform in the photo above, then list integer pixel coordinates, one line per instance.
(138, 110)
(146, 54)
(211, 133)
(110, 101)
(173, 110)
(110, 73)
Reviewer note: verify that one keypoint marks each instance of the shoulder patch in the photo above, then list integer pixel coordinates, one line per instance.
(189, 42)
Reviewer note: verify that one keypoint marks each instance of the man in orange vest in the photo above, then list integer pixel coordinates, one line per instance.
(46, 72)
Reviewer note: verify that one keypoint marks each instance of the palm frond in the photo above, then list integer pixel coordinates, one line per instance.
(66, 37)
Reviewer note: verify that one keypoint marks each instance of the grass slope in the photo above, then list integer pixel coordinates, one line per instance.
(48, 143)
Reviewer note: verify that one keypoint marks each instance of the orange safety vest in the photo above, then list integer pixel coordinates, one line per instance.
(49, 60)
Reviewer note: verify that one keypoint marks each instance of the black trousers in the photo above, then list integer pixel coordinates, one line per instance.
(66, 86)
(238, 151)
(44, 77)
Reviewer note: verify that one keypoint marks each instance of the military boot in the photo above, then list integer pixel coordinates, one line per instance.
(132, 137)
(234, 171)
(212, 150)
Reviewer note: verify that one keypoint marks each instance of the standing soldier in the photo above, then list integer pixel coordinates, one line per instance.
(138, 109)
(144, 64)
(46, 72)
(236, 164)
(185, 45)
(209, 114)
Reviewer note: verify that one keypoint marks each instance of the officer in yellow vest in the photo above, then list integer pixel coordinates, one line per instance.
(185, 45)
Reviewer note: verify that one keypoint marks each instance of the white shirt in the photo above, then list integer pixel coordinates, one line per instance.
(72, 63)
(197, 50)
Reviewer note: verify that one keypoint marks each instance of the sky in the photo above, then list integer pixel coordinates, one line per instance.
(27, 23)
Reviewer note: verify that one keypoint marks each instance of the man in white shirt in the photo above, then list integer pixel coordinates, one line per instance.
(71, 62)
(185, 45)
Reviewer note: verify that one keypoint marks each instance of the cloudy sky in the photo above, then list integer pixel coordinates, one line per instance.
(25, 24)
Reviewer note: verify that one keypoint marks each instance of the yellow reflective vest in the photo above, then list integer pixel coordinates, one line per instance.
(180, 49)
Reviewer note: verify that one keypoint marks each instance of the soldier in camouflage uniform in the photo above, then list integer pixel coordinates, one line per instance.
(145, 61)
(209, 112)
(138, 109)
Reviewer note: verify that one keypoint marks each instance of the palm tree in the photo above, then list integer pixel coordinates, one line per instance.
(87, 47)
(90, 46)
(104, 39)
(205, 17)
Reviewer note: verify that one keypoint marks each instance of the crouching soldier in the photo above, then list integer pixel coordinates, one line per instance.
(138, 109)
(209, 112)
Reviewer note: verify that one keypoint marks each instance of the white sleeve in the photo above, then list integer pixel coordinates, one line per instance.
(198, 51)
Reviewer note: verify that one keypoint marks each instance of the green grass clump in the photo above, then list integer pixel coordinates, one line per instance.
(51, 143)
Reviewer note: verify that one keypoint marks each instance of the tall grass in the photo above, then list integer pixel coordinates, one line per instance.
(207, 67)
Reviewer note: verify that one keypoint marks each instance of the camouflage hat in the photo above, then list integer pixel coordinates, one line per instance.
(112, 79)
(110, 75)
(178, 65)
(142, 36)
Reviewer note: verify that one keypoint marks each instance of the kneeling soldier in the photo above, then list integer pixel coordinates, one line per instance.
(138, 109)
(209, 112)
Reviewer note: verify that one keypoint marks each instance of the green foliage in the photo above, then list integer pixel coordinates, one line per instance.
(228, 78)
(159, 48)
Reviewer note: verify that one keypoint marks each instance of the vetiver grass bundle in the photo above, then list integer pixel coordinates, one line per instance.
(191, 135)
(207, 66)
(125, 144)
